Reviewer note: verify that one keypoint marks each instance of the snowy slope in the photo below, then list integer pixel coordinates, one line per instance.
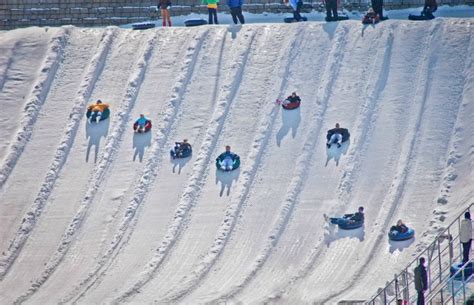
(93, 213)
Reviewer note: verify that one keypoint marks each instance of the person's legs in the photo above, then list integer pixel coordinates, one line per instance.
(215, 15)
(209, 10)
(163, 17)
(334, 9)
(233, 12)
(228, 163)
(98, 116)
(168, 18)
(421, 298)
(466, 248)
(240, 15)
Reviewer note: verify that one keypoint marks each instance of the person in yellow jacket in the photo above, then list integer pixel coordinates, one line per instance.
(212, 9)
(97, 110)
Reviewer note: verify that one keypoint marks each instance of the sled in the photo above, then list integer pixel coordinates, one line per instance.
(184, 153)
(345, 223)
(235, 164)
(419, 17)
(143, 25)
(292, 19)
(195, 22)
(339, 18)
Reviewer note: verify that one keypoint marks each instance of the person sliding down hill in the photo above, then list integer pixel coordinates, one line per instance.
(97, 110)
(226, 159)
(181, 149)
(400, 227)
(350, 218)
(142, 124)
(430, 7)
(371, 17)
(337, 135)
(293, 98)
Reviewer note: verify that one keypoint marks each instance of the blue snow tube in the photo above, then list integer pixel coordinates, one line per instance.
(397, 236)
(235, 163)
(92, 115)
(195, 22)
(346, 223)
(468, 270)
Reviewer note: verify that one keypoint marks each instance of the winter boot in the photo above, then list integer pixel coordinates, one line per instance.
(164, 23)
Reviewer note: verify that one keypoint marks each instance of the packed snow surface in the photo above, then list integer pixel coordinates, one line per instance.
(95, 213)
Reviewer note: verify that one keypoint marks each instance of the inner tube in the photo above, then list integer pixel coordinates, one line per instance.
(339, 18)
(347, 224)
(143, 25)
(419, 17)
(397, 236)
(184, 153)
(291, 106)
(147, 126)
(195, 22)
(292, 19)
(92, 115)
(235, 163)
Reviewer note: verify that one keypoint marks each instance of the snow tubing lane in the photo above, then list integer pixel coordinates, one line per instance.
(184, 154)
(235, 164)
(143, 26)
(419, 17)
(291, 106)
(457, 266)
(195, 22)
(92, 115)
(396, 236)
(147, 127)
(345, 224)
(292, 19)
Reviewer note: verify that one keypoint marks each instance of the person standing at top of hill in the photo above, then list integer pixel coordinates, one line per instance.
(377, 5)
(331, 10)
(164, 8)
(236, 10)
(212, 10)
(296, 6)
(429, 8)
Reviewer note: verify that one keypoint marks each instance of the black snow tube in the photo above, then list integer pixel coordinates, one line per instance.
(468, 271)
(344, 132)
(419, 17)
(292, 19)
(92, 115)
(339, 18)
(183, 153)
(195, 22)
(346, 223)
(143, 25)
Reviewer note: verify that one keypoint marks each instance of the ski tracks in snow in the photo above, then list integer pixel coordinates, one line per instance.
(60, 157)
(35, 101)
(111, 146)
(324, 91)
(364, 125)
(240, 196)
(396, 191)
(150, 169)
(200, 168)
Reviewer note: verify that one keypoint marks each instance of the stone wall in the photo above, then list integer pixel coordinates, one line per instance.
(22, 13)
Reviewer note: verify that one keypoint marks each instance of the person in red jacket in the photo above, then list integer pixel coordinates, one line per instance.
(164, 6)
(371, 17)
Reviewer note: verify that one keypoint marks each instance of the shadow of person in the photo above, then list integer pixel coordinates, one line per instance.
(179, 163)
(140, 142)
(94, 132)
(290, 120)
(330, 28)
(335, 153)
(234, 29)
(399, 245)
(332, 232)
(226, 179)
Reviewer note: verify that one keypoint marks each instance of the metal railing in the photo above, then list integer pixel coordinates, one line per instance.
(440, 255)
